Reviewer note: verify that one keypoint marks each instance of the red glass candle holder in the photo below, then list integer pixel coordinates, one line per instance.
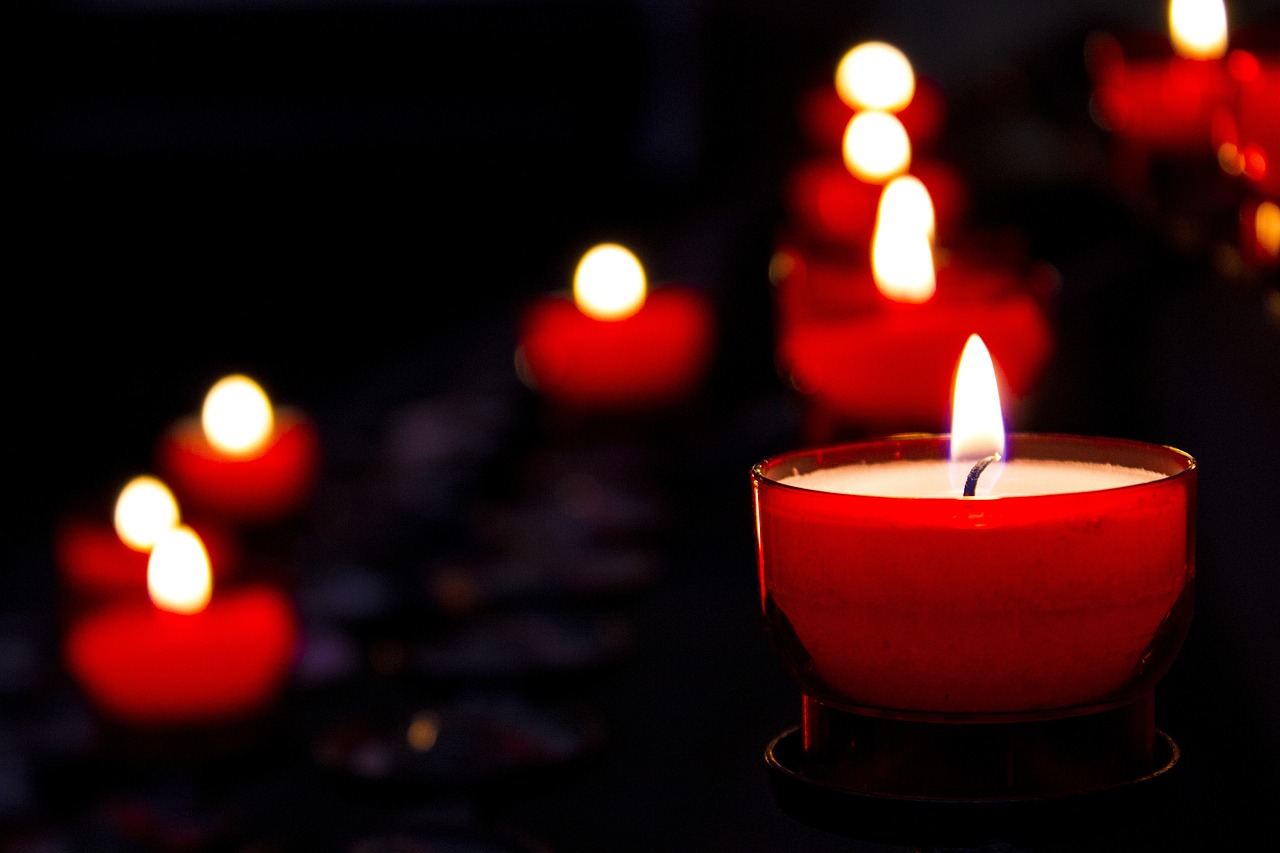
(269, 485)
(1154, 99)
(652, 359)
(974, 650)
(142, 666)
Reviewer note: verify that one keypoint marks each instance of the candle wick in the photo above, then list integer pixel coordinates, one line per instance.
(971, 482)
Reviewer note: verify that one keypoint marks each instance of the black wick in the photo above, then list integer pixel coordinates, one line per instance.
(971, 482)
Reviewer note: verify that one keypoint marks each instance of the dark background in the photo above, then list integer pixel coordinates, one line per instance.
(348, 197)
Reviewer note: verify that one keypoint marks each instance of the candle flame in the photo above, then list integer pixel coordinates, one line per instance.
(178, 575)
(237, 416)
(1266, 225)
(901, 247)
(1198, 28)
(876, 147)
(977, 424)
(609, 283)
(875, 76)
(144, 511)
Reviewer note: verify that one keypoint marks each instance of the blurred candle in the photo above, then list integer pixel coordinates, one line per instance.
(1248, 140)
(875, 349)
(615, 345)
(186, 657)
(96, 559)
(1167, 101)
(242, 460)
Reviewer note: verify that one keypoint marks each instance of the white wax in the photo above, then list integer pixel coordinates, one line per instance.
(932, 479)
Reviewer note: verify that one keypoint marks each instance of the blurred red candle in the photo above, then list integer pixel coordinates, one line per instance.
(96, 559)
(872, 76)
(242, 460)
(877, 350)
(614, 346)
(185, 658)
(1166, 101)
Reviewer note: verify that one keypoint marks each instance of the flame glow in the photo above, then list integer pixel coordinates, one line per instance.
(977, 423)
(237, 416)
(609, 283)
(1266, 226)
(1198, 28)
(178, 575)
(875, 76)
(144, 511)
(902, 246)
(876, 147)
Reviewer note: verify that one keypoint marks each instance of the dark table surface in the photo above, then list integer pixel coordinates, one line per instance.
(355, 203)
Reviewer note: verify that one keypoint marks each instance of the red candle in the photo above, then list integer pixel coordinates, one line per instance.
(96, 559)
(187, 658)
(954, 579)
(242, 460)
(883, 360)
(649, 351)
(1165, 94)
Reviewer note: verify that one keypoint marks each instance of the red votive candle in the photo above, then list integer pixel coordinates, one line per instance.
(1034, 590)
(212, 660)
(649, 353)
(267, 478)
(1163, 94)
(1253, 125)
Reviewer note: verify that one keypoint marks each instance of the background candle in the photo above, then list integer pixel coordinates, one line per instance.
(188, 658)
(645, 352)
(242, 460)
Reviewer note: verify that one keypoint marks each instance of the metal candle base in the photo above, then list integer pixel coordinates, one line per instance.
(951, 782)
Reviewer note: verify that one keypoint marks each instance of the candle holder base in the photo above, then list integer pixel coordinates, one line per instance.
(847, 808)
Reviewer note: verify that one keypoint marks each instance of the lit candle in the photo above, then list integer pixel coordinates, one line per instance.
(242, 460)
(875, 348)
(96, 559)
(1045, 579)
(186, 657)
(872, 76)
(615, 345)
(1166, 97)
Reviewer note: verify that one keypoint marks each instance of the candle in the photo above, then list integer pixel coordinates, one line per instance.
(615, 346)
(242, 460)
(1165, 97)
(965, 578)
(877, 76)
(186, 657)
(96, 559)
(874, 354)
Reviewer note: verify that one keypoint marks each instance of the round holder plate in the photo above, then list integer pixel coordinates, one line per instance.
(929, 821)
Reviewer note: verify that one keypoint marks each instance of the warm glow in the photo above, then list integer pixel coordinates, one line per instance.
(178, 576)
(906, 200)
(609, 283)
(977, 424)
(1198, 28)
(144, 511)
(902, 264)
(1266, 224)
(423, 731)
(237, 416)
(875, 76)
(876, 147)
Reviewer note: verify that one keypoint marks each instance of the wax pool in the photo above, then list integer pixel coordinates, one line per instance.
(1068, 589)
